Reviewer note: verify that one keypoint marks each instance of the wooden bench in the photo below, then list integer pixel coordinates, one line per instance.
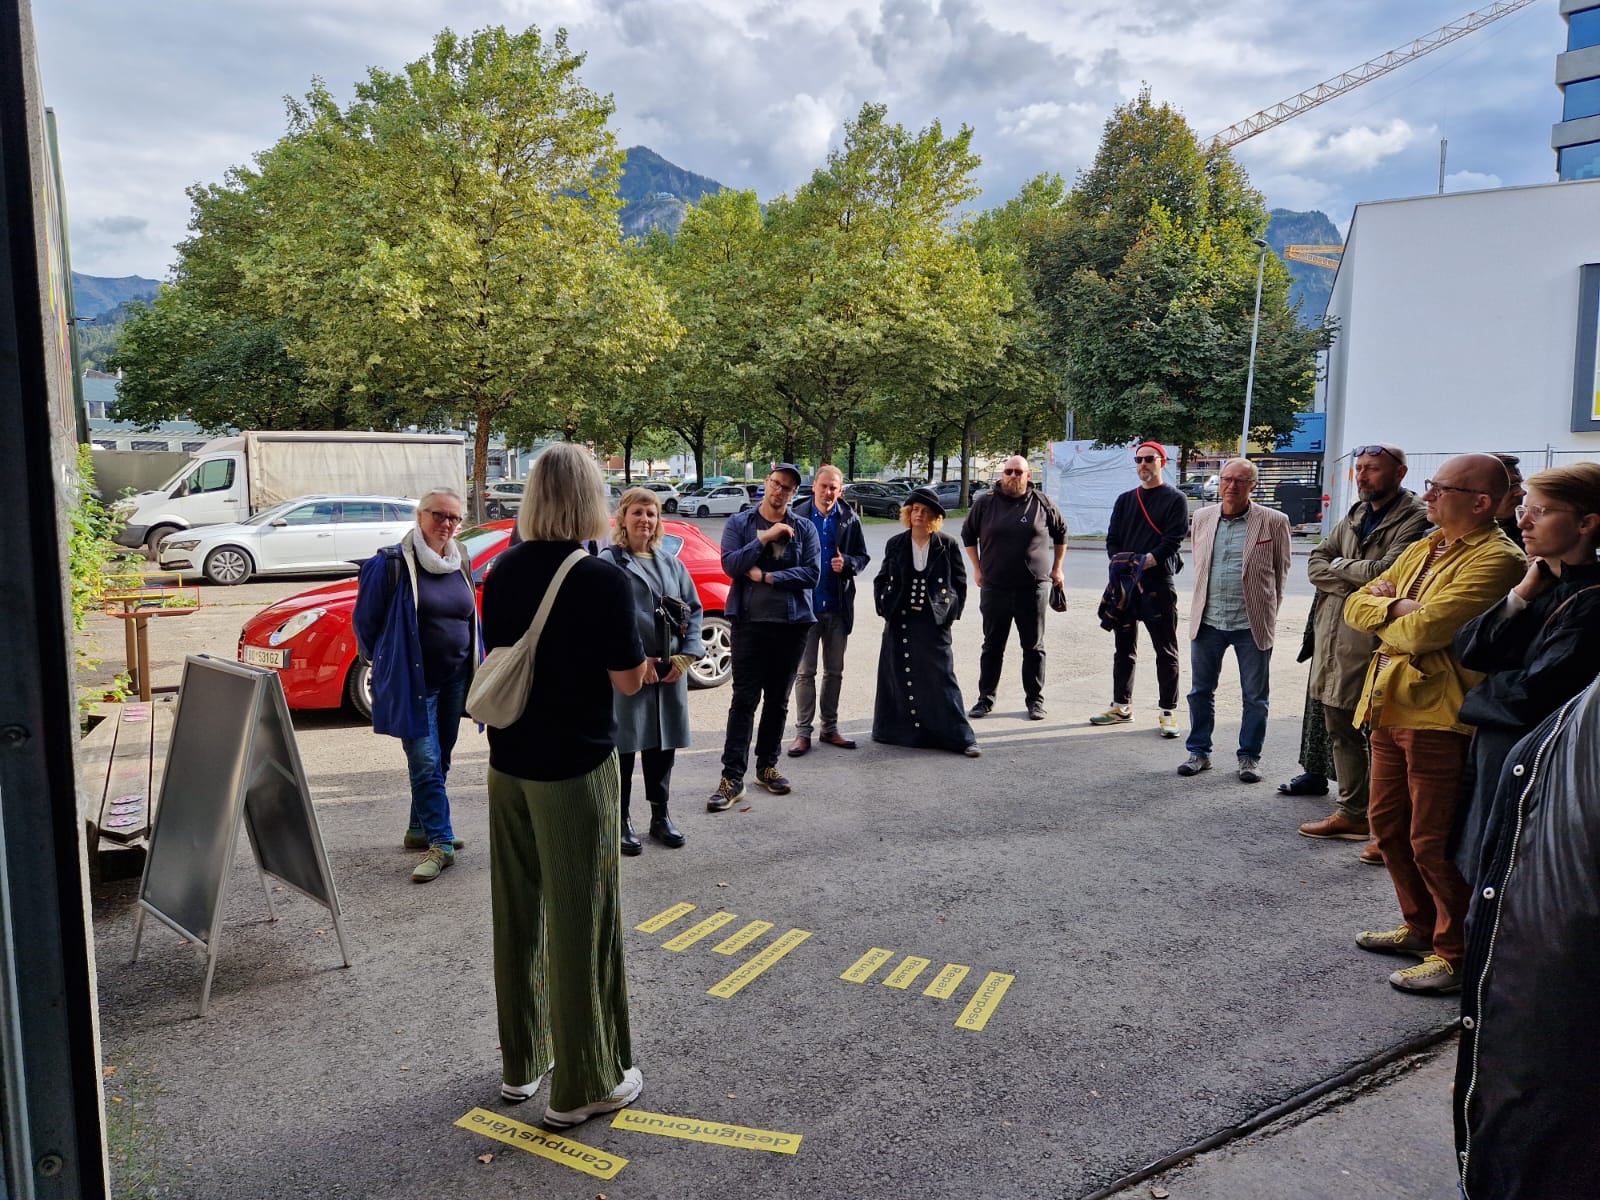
(120, 762)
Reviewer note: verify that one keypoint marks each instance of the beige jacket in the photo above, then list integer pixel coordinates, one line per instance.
(1340, 655)
(1265, 571)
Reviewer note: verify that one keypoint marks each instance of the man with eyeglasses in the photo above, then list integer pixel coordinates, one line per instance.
(1361, 546)
(1149, 520)
(1016, 539)
(1411, 701)
(774, 560)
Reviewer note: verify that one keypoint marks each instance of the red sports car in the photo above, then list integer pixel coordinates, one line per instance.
(308, 637)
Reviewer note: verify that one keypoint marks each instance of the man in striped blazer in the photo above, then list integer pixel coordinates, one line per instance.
(1241, 561)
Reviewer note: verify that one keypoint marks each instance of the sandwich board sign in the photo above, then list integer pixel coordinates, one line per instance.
(232, 761)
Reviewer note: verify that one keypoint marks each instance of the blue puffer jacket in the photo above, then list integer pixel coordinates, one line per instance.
(385, 622)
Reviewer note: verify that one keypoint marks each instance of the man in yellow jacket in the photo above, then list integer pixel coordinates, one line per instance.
(1412, 702)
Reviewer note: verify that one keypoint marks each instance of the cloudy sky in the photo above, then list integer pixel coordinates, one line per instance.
(153, 97)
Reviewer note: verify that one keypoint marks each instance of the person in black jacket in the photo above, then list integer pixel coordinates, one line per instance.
(843, 556)
(919, 593)
(1539, 647)
(1151, 520)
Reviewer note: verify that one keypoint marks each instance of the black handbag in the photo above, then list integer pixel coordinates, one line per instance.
(1058, 597)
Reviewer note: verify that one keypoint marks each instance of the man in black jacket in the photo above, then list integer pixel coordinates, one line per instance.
(1151, 520)
(844, 556)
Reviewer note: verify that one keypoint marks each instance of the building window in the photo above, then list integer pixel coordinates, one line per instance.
(1581, 99)
(1583, 29)
(1579, 162)
(192, 447)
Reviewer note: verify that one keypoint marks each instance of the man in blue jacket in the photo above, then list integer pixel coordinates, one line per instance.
(772, 557)
(843, 552)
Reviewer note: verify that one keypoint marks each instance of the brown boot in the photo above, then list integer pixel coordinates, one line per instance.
(1371, 855)
(799, 746)
(1336, 826)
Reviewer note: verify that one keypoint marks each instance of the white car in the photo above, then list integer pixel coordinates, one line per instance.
(301, 536)
(721, 501)
(665, 493)
(502, 498)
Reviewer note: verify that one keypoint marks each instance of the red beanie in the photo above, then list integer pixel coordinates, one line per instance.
(1157, 447)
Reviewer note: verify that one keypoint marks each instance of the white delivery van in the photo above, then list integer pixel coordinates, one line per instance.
(233, 478)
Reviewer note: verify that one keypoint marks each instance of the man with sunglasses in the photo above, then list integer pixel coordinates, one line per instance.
(1411, 701)
(1149, 520)
(774, 560)
(1365, 543)
(1016, 539)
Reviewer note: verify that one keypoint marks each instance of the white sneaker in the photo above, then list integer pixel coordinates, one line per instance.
(1167, 723)
(624, 1094)
(514, 1093)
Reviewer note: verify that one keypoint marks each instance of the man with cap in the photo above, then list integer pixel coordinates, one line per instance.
(1016, 539)
(844, 556)
(1149, 520)
(772, 557)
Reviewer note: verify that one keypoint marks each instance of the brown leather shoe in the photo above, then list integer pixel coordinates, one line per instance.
(835, 738)
(1337, 826)
(1371, 855)
(799, 746)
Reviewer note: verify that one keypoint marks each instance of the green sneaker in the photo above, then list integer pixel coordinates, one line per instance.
(1112, 716)
(1432, 974)
(415, 839)
(434, 861)
(1403, 940)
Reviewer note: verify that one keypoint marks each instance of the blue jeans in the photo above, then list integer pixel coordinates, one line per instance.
(1206, 653)
(428, 759)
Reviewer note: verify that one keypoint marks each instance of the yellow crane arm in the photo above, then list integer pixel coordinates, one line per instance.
(1317, 256)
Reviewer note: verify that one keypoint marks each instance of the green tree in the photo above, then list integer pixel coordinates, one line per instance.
(1146, 281)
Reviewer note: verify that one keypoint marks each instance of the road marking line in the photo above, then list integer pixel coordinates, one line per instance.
(662, 919)
(691, 1129)
(753, 967)
(984, 1001)
(743, 938)
(946, 982)
(600, 1163)
(704, 929)
(862, 969)
(910, 967)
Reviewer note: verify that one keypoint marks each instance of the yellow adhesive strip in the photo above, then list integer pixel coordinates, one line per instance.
(715, 1132)
(984, 1001)
(600, 1163)
(946, 982)
(753, 967)
(662, 919)
(704, 929)
(862, 969)
(743, 938)
(910, 967)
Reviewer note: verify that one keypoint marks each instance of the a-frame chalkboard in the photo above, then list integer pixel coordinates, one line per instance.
(232, 760)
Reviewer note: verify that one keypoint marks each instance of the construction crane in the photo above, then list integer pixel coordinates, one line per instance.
(1317, 256)
(1366, 72)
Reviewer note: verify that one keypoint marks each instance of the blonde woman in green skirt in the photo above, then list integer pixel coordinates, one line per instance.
(561, 989)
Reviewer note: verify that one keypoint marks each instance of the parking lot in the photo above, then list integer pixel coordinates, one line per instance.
(1148, 960)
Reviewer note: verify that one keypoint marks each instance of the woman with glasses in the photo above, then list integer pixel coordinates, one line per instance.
(416, 619)
(1540, 646)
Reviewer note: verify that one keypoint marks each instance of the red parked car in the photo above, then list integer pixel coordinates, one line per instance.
(308, 639)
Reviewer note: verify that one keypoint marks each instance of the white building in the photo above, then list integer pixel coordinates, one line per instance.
(1467, 321)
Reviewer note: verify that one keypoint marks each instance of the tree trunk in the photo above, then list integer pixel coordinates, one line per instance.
(851, 473)
(627, 459)
(829, 429)
(968, 432)
(700, 452)
(480, 459)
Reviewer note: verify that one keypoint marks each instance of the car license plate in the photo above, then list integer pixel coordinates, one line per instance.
(262, 656)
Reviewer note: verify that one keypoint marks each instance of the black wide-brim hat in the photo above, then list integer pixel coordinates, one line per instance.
(925, 495)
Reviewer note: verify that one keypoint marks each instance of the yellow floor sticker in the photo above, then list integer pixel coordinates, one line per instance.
(662, 919)
(862, 969)
(987, 998)
(754, 966)
(715, 1132)
(602, 1164)
(743, 938)
(910, 967)
(704, 929)
(946, 982)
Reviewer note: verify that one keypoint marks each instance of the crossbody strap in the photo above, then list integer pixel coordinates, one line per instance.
(529, 641)
(1146, 512)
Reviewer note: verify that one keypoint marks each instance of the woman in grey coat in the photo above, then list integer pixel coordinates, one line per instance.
(654, 722)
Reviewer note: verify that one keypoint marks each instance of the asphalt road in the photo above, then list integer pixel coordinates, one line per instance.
(1181, 961)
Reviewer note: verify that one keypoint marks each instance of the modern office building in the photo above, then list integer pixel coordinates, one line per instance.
(1576, 139)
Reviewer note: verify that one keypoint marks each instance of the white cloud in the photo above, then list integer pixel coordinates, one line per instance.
(1469, 181)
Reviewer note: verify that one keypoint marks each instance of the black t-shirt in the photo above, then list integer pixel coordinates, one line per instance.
(444, 624)
(567, 729)
(1015, 536)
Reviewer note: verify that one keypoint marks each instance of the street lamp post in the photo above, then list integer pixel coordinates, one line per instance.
(1255, 328)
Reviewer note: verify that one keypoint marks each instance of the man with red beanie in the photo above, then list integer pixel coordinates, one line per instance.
(1149, 520)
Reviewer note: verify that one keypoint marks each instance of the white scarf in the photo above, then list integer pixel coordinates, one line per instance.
(431, 561)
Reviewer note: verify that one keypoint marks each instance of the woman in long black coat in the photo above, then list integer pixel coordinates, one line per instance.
(919, 593)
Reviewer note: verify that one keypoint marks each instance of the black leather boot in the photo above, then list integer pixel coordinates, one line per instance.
(662, 828)
(630, 840)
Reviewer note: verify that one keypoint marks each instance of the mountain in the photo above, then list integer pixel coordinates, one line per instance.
(94, 295)
(656, 193)
(1311, 285)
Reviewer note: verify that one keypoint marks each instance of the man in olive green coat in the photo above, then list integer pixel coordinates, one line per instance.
(1362, 546)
